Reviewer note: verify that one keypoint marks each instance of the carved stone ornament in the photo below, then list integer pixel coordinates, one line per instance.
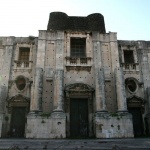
(17, 101)
(78, 88)
(21, 83)
(135, 101)
(132, 84)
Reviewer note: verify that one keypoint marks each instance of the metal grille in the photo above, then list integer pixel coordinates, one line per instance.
(24, 54)
(78, 47)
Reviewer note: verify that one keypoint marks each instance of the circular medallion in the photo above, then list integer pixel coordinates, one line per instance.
(20, 83)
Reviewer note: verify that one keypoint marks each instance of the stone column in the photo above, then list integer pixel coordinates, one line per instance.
(36, 91)
(99, 75)
(100, 90)
(147, 116)
(58, 90)
(148, 100)
(120, 90)
(3, 95)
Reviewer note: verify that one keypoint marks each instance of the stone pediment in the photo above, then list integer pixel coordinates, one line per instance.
(135, 99)
(79, 87)
(18, 98)
(18, 101)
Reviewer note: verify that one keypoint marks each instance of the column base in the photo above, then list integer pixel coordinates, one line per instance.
(101, 113)
(58, 114)
(35, 112)
(114, 125)
(122, 111)
(53, 126)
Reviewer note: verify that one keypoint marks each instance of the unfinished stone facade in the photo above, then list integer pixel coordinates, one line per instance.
(74, 80)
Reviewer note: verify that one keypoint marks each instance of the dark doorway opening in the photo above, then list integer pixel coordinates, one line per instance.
(137, 120)
(78, 118)
(18, 121)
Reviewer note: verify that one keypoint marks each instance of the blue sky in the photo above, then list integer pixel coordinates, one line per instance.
(129, 18)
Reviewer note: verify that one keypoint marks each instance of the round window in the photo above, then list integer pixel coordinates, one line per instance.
(131, 84)
(20, 82)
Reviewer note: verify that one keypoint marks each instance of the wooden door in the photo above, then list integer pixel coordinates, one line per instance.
(137, 120)
(18, 121)
(79, 118)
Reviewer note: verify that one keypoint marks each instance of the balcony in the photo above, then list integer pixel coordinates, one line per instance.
(130, 67)
(74, 63)
(22, 65)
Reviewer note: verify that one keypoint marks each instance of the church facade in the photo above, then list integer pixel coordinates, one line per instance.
(74, 80)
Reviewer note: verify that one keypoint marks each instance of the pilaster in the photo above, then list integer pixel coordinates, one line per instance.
(5, 75)
(37, 86)
(41, 49)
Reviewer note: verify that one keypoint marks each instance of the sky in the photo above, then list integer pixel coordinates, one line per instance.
(129, 18)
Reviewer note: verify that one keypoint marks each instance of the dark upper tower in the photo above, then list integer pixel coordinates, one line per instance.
(61, 21)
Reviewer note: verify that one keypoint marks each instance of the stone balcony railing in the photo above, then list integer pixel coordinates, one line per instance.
(22, 64)
(74, 63)
(78, 61)
(130, 66)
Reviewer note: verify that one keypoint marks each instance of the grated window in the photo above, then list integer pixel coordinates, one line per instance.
(24, 53)
(78, 46)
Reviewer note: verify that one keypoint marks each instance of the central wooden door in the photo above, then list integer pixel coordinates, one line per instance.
(18, 121)
(79, 118)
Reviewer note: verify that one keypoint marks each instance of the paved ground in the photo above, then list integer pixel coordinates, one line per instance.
(68, 144)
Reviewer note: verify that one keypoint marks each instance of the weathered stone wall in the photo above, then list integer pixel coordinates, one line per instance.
(7, 51)
(140, 74)
(9, 55)
(45, 127)
(114, 126)
(51, 70)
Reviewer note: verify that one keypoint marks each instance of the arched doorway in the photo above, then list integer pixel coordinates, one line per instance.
(18, 107)
(136, 108)
(79, 110)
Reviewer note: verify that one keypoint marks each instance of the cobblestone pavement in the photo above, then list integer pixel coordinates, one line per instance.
(68, 144)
